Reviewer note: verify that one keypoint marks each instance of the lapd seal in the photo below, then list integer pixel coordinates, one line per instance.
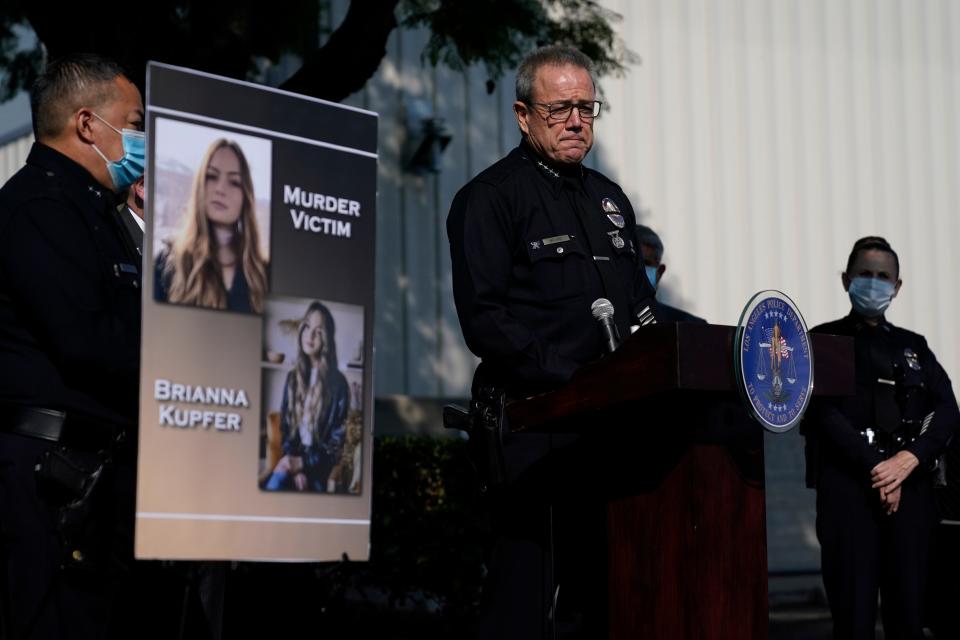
(774, 361)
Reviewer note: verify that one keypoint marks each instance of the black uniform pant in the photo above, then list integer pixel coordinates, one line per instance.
(41, 599)
(864, 551)
(548, 571)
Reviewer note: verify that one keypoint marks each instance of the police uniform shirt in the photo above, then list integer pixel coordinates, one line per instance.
(532, 247)
(134, 225)
(136, 219)
(69, 292)
(886, 354)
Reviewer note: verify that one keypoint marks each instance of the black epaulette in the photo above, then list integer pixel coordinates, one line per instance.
(907, 336)
(596, 174)
(500, 171)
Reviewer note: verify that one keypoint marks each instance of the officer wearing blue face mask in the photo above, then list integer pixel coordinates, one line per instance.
(69, 360)
(651, 249)
(129, 168)
(871, 458)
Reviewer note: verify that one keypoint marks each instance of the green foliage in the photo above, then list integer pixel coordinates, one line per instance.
(248, 29)
(242, 38)
(497, 33)
(429, 532)
(235, 38)
(429, 541)
(18, 64)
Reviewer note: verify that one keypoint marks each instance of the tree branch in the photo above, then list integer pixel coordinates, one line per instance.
(351, 56)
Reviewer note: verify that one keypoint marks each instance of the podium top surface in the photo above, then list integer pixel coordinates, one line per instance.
(670, 357)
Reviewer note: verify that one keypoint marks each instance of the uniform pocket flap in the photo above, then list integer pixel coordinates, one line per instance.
(553, 247)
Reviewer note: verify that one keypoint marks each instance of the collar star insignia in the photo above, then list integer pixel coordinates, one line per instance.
(548, 169)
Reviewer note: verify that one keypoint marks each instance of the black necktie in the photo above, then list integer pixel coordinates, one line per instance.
(886, 411)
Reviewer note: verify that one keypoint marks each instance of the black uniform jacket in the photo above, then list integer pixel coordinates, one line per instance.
(673, 314)
(532, 248)
(893, 354)
(69, 293)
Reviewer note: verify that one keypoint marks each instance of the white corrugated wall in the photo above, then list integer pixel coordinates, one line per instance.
(762, 137)
(13, 155)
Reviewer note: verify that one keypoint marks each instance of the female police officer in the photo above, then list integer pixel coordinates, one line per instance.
(872, 458)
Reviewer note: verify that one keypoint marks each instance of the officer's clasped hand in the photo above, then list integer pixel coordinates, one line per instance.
(890, 473)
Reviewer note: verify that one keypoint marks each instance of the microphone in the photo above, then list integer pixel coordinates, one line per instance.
(602, 310)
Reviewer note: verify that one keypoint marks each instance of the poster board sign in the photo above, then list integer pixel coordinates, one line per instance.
(256, 406)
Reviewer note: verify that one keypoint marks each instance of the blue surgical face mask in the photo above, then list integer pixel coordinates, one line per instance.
(651, 275)
(871, 296)
(128, 169)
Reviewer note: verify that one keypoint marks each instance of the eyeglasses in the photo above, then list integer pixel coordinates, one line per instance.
(560, 111)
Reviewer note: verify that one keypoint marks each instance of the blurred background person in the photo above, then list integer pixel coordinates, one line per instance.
(131, 213)
(651, 250)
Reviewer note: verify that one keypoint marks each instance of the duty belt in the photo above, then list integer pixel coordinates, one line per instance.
(54, 426)
(887, 443)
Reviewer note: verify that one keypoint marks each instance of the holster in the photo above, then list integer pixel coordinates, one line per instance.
(940, 471)
(484, 424)
(68, 478)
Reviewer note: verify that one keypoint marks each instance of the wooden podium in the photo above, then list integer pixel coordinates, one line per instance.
(686, 531)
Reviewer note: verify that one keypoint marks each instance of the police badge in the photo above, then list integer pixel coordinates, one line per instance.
(913, 361)
(774, 361)
(609, 206)
(613, 213)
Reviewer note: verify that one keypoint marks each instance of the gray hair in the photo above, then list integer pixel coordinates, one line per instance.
(555, 55)
(649, 237)
(67, 84)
